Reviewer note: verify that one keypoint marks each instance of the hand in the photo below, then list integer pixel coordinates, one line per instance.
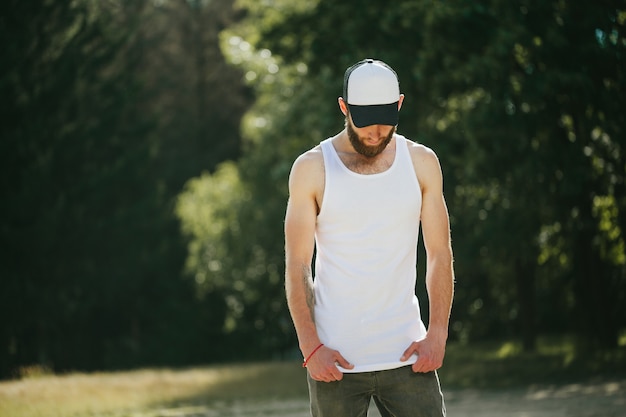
(430, 352)
(322, 366)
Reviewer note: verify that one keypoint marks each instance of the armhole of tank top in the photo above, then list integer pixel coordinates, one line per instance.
(327, 157)
(407, 154)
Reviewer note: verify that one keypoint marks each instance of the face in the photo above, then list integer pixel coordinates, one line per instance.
(369, 141)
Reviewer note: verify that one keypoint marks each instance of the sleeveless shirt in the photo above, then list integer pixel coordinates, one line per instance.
(365, 266)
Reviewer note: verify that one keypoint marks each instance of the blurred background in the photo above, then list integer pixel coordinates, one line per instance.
(145, 147)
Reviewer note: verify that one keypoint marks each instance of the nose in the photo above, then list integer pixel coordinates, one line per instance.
(376, 131)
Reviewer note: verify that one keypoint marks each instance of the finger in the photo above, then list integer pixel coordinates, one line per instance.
(323, 378)
(329, 377)
(419, 368)
(413, 349)
(341, 361)
(426, 365)
(336, 375)
(420, 364)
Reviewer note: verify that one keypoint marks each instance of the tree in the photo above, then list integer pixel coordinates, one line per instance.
(234, 216)
(521, 102)
(536, 126)
(98, 137)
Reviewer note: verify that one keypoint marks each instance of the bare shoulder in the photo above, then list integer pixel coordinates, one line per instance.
(425, 162)
(421, 152)
(311, 157)
(308, 169)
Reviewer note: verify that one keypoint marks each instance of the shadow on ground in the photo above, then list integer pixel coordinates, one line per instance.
(280, 391)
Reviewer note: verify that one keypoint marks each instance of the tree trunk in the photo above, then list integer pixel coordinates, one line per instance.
(595, 301)
(525, 281)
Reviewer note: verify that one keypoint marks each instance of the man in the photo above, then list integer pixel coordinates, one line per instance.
(358, 199)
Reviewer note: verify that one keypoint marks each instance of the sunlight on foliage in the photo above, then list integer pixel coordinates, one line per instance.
(274, 82)
(508, 349)
(606, 211)
(492, 100)
(207, 210)
(456, 107)
(262, 14)
(551, 245)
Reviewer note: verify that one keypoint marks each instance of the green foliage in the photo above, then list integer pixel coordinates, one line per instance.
(234, 216)
(100, 129)
(497, 364)
(109, 108)
(521, 100)
(63, 169)
(208, 211)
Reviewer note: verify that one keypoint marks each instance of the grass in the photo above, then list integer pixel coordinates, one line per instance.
(504, 364)
(203, 391)
(141, 393)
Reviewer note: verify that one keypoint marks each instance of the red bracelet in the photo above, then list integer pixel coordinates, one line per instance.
(306, 361)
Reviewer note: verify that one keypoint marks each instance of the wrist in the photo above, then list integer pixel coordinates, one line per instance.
(438, 331)
(310, 355)
(308, 344)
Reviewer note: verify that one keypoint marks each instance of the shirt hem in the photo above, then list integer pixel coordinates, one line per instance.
(378, 367)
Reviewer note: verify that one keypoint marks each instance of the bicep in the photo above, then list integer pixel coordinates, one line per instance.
(300, 218)
(435, 223)
(434, 216)
(299, 231)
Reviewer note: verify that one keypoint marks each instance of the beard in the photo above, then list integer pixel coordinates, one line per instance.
(359, 145)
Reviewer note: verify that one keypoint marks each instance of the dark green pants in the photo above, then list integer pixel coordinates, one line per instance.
(396, 392)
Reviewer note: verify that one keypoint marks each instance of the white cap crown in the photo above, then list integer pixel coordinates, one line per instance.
(372, 83)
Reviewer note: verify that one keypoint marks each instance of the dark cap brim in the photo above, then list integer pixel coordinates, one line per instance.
(379, 114)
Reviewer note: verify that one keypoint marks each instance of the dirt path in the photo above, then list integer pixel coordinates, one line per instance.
(595, 399)
(600, 399)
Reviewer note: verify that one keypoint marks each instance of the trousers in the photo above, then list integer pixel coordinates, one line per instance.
(396, 392)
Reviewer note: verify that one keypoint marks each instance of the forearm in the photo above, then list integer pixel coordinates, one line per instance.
(440, 287)
(301, 303)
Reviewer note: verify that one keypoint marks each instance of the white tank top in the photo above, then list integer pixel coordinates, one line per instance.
(365, 266)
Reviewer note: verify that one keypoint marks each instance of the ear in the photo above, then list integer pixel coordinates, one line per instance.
(343, 106)
(400, 101)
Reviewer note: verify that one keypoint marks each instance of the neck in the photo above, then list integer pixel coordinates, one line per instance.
(362, 164)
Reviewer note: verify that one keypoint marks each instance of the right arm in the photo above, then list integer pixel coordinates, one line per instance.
(306, 183)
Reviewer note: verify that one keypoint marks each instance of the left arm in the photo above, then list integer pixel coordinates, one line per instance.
(439, 269)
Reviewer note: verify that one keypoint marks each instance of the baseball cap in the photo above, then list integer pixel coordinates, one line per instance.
(372, 91)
